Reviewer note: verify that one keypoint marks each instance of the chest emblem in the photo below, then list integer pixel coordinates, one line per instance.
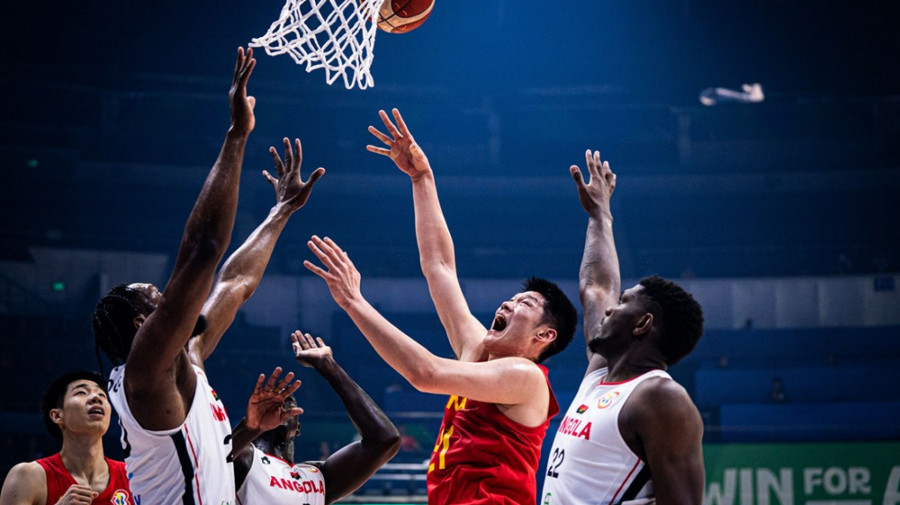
(582, 409)
(607, 399)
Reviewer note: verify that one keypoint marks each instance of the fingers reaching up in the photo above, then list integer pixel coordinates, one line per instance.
(290, 189)
(242, 119)
(594, 195)
(309, 351)
(339, 273)
(265, 409)
(401, 146)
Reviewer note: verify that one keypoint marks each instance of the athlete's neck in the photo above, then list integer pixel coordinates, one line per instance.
(625, 369)
(279, 449)
(83, 458)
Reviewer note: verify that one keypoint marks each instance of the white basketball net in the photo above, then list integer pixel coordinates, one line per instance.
(337, 35)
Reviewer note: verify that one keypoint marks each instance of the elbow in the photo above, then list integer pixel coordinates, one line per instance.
(389, 444)
(383, 447)
(241, 286)
(424, 378)
(205, 249)
(434, 268)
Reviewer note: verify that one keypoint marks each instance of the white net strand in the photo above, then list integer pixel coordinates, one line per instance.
(335, 35)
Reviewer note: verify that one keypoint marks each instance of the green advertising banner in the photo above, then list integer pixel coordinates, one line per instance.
(803, 474)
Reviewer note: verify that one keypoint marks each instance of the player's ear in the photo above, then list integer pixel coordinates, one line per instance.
(56, 416)
(139, 320)
(644, 324)
(547, 335)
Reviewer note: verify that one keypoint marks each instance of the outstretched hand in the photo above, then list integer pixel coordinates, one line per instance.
(290, 190)
(402, 147)
(309, 351)
(339, 273)
(595, 195)
(242, 118)
(265, 409)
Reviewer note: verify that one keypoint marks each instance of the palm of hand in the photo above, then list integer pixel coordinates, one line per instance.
(293, 191)
(265, 410)
(308, 357)
(407, 155)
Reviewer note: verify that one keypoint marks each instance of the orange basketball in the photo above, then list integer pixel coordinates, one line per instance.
(400, 16)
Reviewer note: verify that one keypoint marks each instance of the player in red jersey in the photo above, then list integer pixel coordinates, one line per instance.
(74, 409)
(501, 402)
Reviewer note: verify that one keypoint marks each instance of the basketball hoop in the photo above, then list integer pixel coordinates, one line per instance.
(336, 35)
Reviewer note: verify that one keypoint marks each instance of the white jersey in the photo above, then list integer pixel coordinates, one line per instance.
(274, 481)
(187, 465)
(589, 462)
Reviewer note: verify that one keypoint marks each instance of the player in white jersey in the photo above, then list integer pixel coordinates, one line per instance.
(171, 464)
(159, 340)
(632, 434)
(267, 473)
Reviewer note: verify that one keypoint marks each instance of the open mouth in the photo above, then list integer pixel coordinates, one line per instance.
(96, 410)
(499, 323)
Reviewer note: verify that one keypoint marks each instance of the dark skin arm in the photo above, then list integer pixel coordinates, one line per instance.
(265, 411)
(242, 272)
(599, 280)
(158, 370)
(663, 427)
(351, 466)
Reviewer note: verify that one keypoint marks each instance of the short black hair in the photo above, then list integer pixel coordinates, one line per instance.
(559, 313)
(113, 321)
(681, 321)
(55, 394)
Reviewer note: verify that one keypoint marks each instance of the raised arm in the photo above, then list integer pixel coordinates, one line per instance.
(664, 427)
(265, 411)
(599, 282)
(436, 254)
(241, 273)
(351, 466)
(151, 364)
(516, 384)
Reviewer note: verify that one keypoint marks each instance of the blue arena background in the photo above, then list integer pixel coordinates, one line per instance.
(781, 215)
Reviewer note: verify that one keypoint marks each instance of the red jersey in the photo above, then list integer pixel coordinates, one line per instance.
(483, 457)
(59, 480)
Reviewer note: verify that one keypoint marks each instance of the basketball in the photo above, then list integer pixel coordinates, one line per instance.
(400, 16)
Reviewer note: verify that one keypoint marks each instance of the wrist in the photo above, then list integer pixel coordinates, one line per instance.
(281, 211)
(236, 132)
(325, 365)
(245, 426)
(601, 214)
(422, 176)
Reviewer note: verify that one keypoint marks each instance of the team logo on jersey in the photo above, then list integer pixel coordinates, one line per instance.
(312, 469)
(582, 409)
(607, 399)
(120, 497)
(265, 460)
(295, 475)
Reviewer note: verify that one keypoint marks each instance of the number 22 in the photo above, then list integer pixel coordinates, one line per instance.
(556, 459)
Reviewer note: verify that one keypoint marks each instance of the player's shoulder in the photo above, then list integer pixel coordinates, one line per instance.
(26, 481)
(28, 469)
(523, 367)
(660, 398)
(661, 388)
(315, 467)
